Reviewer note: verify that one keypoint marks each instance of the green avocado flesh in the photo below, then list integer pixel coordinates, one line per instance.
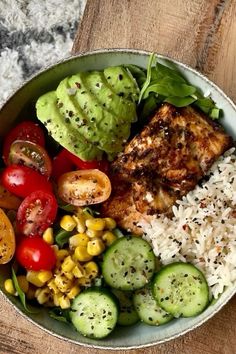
(91, 112)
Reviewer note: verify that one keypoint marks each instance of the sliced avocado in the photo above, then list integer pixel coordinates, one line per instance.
(109, 130)
(62, 130)
(108, 98)
(122, 82)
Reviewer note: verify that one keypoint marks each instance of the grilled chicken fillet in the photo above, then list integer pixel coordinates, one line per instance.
(162, 163)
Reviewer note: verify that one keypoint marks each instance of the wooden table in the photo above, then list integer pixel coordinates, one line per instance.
(201, 33)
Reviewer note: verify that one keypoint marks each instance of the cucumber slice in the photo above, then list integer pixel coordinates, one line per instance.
(128, 315)
(181, 289)
(148, 309)
(94, 313)
(128, 264)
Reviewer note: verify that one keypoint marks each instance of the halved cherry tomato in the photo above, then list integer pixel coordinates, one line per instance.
(84, 187)
(61, 164)
(28, 131)
(36, 213)
(22, 180)
(35, 254)
(87, 165)
(7, 239)
(7, 199)
(31, 155)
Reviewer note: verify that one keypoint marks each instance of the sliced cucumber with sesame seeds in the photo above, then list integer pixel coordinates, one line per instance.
(94, 312)
(128, 264)
(127, 314)
(181, 289)
(148, 309)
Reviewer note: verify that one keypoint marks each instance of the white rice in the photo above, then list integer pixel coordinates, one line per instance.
(203, 227)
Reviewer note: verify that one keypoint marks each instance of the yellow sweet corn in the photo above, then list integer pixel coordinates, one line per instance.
(80, 239)
(80, 223)
(84, 281)
(91, 270)
(52, 286)
(78, 271)
(69, 275)
(110, 223)
(95, 247)
(74, 291)
(23, 283)
(42, 295)
(48, 235)
(93, 233)
(87, 215)
(67, 223)
(63, 283)
(96, 224)
(56, 298)
(44, 275)
(68, 264)
(32, 278)
(64, 302)
(81, 254)
(9, 287)
(61, 254)
(108, 237)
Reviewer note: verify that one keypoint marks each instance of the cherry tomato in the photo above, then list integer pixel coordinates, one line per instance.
(86, 165)
(36, 213)
(26, 130)
(7, 199)
(22, 180)
(61, 164)
(35, 254)
(31, 155)
(7, 239)
(84, 187)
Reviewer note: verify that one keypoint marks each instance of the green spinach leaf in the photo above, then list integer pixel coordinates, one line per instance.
(62, 237)
(60, 315)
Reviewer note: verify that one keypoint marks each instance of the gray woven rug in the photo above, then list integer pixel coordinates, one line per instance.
(34, 34)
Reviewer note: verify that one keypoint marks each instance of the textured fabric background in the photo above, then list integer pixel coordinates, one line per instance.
(34, 34)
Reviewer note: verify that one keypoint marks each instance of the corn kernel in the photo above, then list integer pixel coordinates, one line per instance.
(61, 254)
(78, 271)
(91, 270)
(31, 292)
(81, 254)
(95, 247)
(74, 291)
(32, 277)
(48, 236)
(67, 223)
(78, 240)
(52, 286)
(9, 287)
(63, 283)
(80, 223)
(87, 215)
(96, 224)
(64, 302)
(44, 276)
(56, 298)
(109, 238)
(110, 223)
(23, 283)
(84, 281)
(93, 233)
(68, 264)
(42, 295)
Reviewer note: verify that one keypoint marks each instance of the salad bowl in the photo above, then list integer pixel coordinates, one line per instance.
(22, 104)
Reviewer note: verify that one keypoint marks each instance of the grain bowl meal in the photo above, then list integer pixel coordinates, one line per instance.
(118, 201)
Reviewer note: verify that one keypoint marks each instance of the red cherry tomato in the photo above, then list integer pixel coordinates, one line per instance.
(28, 131)
(87, 165)
(22, 180)
(35, 254)
(61, 164)
(36, 213)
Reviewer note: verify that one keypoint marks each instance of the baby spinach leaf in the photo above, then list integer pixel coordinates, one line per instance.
(20, 293)
(60, 315)
(180, 101)
(149, 76)
(169, 87)
(62, 237)
(138, 73)
(91, 211)
(163, 71)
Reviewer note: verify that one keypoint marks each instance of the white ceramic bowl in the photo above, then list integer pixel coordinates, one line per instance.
(21, 104)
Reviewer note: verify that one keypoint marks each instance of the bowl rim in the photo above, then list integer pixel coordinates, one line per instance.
(232, 291)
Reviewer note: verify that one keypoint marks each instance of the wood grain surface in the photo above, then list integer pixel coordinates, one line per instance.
(201, 33)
